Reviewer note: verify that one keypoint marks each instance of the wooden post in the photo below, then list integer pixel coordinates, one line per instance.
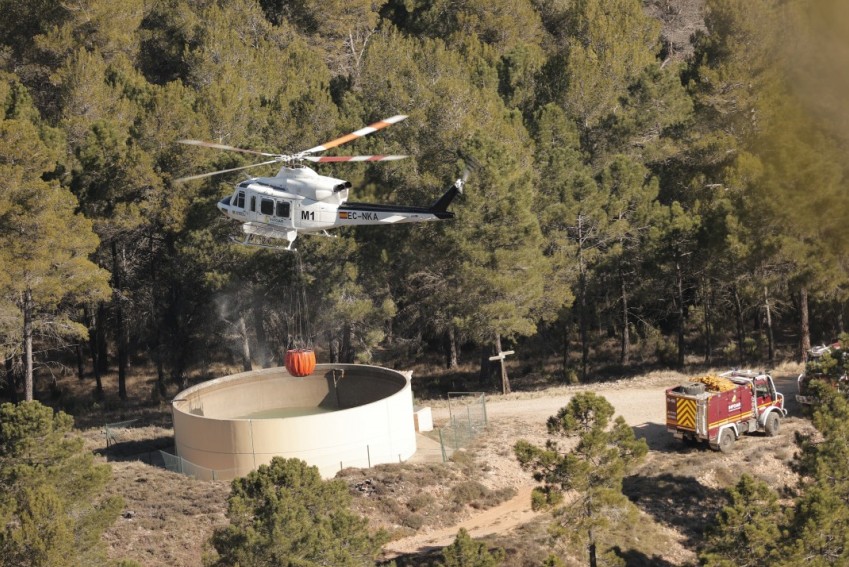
(505, 384)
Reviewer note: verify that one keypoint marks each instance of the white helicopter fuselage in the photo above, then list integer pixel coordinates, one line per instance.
(299, 200)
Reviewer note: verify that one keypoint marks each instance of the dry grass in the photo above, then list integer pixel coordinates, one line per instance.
(168, 518)
(404, 498)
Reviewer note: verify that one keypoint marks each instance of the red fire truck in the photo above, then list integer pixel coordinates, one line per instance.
(720, 409)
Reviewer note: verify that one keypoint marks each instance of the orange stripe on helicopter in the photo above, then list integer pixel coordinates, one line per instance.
(358, 134)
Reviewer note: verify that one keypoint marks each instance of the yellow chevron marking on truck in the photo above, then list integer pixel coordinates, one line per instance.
(686, 413)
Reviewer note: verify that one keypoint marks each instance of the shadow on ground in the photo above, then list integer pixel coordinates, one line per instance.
(634, 558)
(144, 450)
(679, 502)
(657, 438)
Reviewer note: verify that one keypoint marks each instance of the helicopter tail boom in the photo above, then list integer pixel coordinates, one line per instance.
(441, 204)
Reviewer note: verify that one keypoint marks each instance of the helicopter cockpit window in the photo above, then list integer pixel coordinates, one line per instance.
(283, 209)
(266, 206)
(240, 200)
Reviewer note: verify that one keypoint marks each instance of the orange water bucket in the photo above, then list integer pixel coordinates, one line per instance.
(300, 362)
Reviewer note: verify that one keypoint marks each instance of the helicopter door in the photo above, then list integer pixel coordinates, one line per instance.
(283, 213)
(266, 209)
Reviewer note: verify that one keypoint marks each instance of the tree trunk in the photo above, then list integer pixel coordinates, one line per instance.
(804, 324)
(158, 292)
(334, 350)
(161, 385)
(505, 380)
(100, 336)
(584, 331)
(625, 349)
(261, 337)
(12, 379)
(91, 324)
(741, 334)
(80, 361)
(591, 548)
(27, 309)
(679, 280)
(706, 302)
(120, 329)
(246, 346)
(566, 327)
(451, 351)
(582, 304)
(769, 336)
(484, 374)
(347, 353)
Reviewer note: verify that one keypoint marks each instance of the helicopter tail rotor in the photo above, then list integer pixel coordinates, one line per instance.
(440, 206)
(471, 165)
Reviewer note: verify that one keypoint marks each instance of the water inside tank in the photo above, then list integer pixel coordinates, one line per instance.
(277, 413)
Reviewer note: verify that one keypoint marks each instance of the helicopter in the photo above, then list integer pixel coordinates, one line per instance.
(297, 200)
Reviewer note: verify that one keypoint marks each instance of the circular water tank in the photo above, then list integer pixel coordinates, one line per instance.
(341, 415)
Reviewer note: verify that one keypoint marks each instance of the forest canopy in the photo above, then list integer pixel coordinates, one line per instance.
(639, 195)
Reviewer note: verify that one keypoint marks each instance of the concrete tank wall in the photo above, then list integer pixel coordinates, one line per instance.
(371, 421)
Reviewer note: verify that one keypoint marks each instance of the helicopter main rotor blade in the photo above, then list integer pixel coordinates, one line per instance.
(211, 173)
(225, 147)
(358, 134)
(318, 159)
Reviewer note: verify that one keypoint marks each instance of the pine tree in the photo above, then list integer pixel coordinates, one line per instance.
(51, 509)
(466, 552)
(747, 532)
(44, 243)
(486, 275)
(606, 45)
(631, 209)
(592, 471)
(818, 531)
(285, 514)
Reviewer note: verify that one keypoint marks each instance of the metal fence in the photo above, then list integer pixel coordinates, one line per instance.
(467, 419)
(177, 464)
(360, 457)
(113, 431)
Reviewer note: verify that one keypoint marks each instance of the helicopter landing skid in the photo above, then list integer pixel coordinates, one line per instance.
(247, 242)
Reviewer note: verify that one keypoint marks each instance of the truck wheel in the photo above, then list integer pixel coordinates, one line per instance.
(726, 441)
(772, 424)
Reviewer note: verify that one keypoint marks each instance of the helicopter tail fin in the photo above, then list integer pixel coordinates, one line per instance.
(441, 204)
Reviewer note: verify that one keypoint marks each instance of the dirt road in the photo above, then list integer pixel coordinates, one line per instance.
(522, 416)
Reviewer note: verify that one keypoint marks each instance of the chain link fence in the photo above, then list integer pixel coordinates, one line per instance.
(466, 420)
(357, 457)
(177, 464)
(114, 431)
